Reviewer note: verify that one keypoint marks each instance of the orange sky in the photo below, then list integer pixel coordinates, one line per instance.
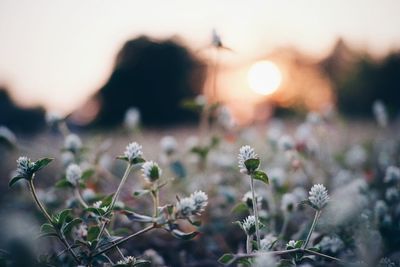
(57, 53)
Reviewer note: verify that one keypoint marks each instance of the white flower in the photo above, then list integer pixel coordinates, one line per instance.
(380, 113)
(200, 200)
(248, 199)
(97, 204)
(249, 225)
(318, 196)
(67, 158)
(267, 242)
(8, 136)
(265, 260)
(127, 260)
(25, 167)
(73, 143)
(186, 206)
(392, 174)
(286, 143)
(331, 244)
(88, 194)
(132, 118)
(169, 145)
(151, 171)
(291, 243)
(245, 153)
(133, 151)
(289, 202)
(73, 174)
(81, 231)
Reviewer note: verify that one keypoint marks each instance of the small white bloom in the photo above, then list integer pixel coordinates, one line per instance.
(289, 203)
(133, 151)
(73, 174)
(25, 167)
(380, 113)
(132, 118)
(67, 158)
(151, 171)
(73, 143)
(200, 100)
(392, 175)
(8, 136)
(186, 206)
(97, 204)
(200, 200)
(318, 196)
(245, 153)
(291, 243)
(88, 194)
(286, 143)
(169, 145)
(331, 244)
(127, 260)
(267, 242)
(249, 225)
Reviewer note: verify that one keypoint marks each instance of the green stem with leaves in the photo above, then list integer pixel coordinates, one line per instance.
(255, 210)
(48, 217)
(316, 217)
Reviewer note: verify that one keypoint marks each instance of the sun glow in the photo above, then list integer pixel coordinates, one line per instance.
(264, 77)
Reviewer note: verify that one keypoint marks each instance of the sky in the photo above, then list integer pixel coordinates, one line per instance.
(57, 53)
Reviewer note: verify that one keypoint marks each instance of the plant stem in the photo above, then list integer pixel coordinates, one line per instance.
(285, 225)
(121, 184)
(124, 239)
(248, 244)
(156, 202)
(48, 217)
(255, 210)
(317, 213)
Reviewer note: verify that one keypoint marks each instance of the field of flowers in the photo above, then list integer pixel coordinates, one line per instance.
(319, 192)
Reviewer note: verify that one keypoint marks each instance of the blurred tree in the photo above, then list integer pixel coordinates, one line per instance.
(153, 76)
(24, 120)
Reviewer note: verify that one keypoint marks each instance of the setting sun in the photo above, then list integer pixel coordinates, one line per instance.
(264, 77)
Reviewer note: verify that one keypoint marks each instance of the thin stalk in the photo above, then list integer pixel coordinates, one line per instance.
(156, 203)
(48, 217)
(317, 214)
(255, 210)
(124, 239)
(121, 184)
(248, 244)
(286, 220)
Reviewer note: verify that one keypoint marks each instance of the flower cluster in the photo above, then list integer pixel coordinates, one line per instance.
(318, 196)
(133, 151)
(151, 171)
(245, 153)
(192, 205)
(73, 143)
(25, 167)
(73, 174)
(249, 225)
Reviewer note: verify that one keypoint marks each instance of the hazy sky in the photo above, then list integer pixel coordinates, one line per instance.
(57, 53)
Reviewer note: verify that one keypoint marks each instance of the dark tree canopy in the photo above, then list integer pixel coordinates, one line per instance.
(153, 76)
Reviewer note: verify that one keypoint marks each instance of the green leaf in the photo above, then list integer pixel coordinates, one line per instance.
(260, 176)
(240, 208)
(298, 244)
(124, 158)
(252, 164)
(47, 228)
(41, 163)
(139, 193)
(14, 180)
(106, 201)
(97, 211)
(63, 215)
(63, 183)
(87, 174)
(68, 226)
(182, 235)
(138, 160)
(227, 259)
(93, 233)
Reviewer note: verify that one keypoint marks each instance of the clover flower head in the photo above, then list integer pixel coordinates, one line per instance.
(25, 167)
(267, 242)
(97, 204)
(73, 174)
(186, 206)
(132, 118)
(265, 260)
(200, 200)
(291, 243)
(245, 153)
(392, 174)
(130, 260)
(289, 202)
(248, 199)
(133, 151)
(249, 225)
(169, 145)
(318, 196)
(331, 244)
(151, 171)
(73, 143)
